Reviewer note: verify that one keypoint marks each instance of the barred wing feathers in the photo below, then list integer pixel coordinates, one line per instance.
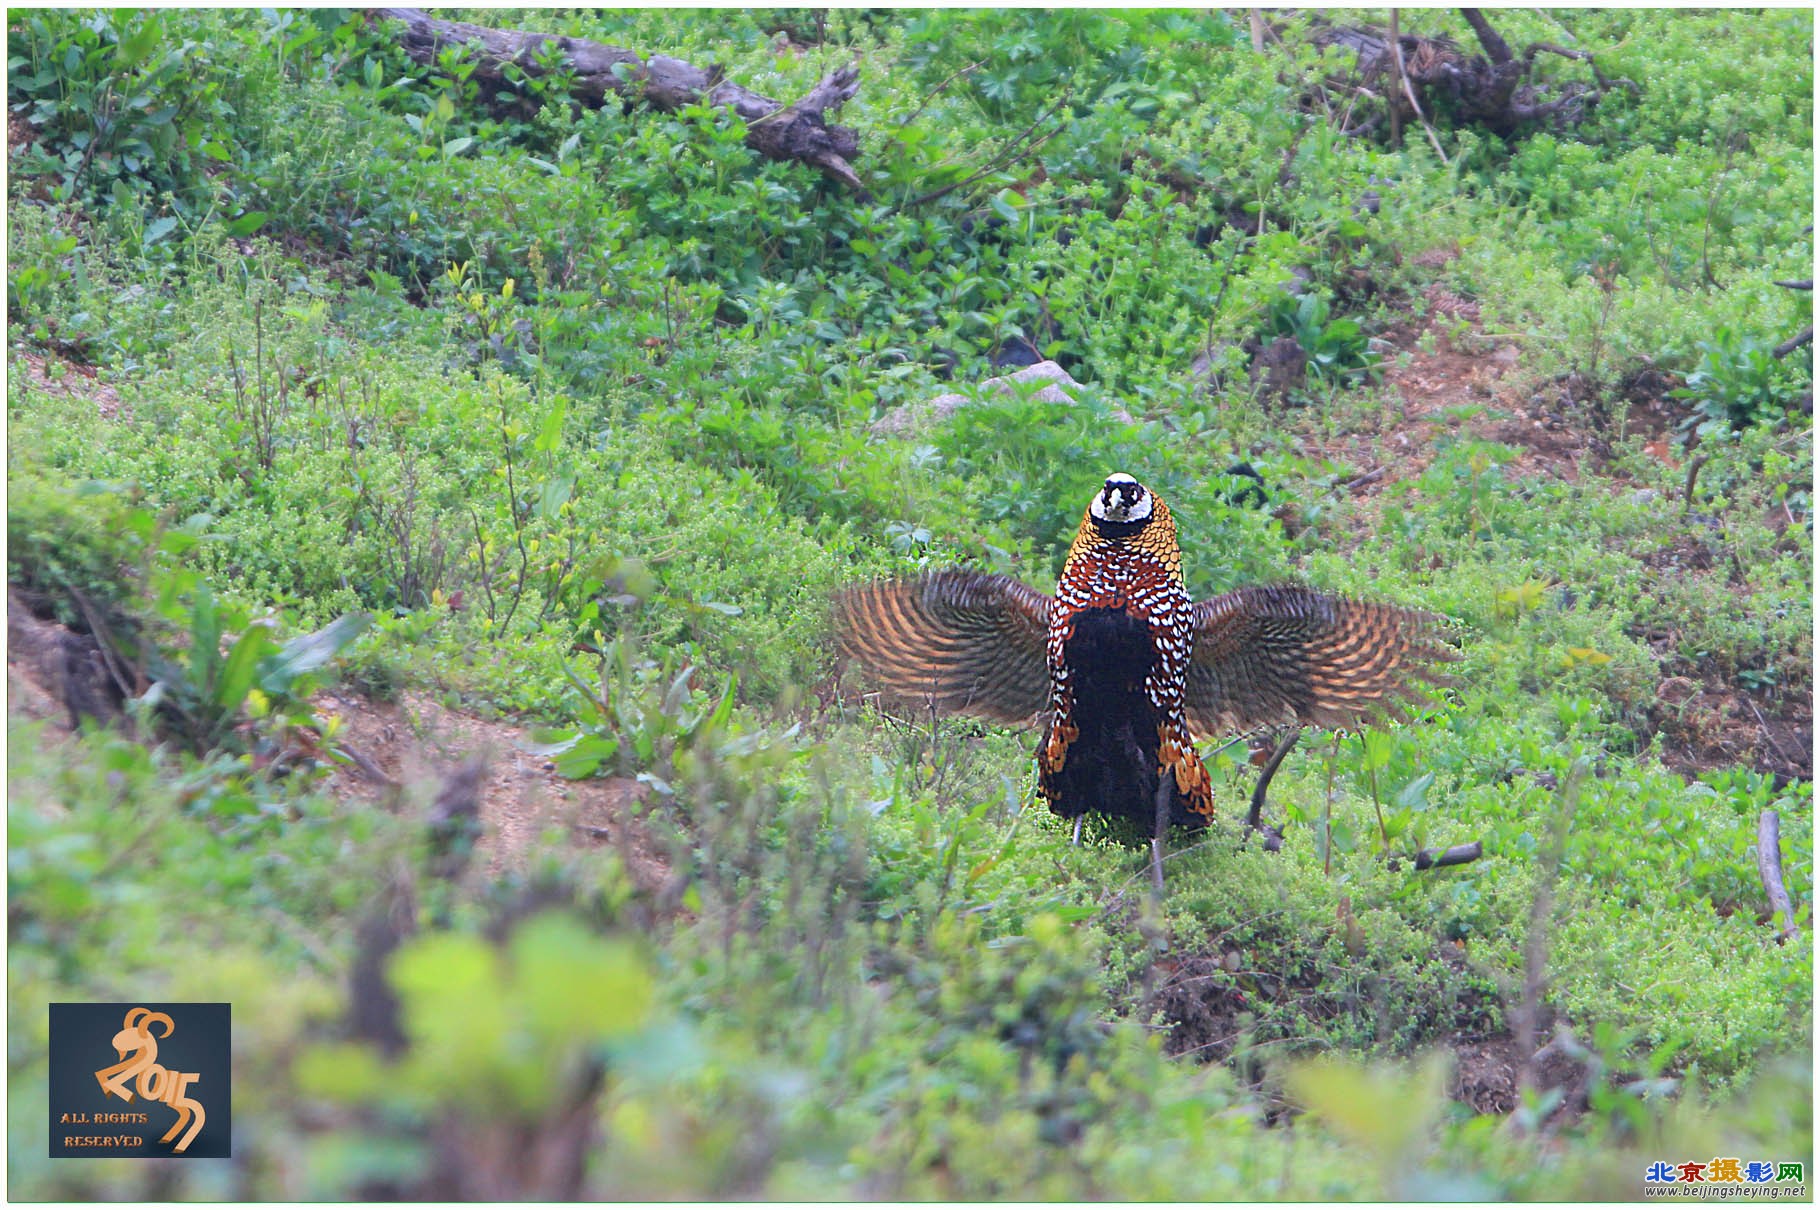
(1280, 655)
(960, 641)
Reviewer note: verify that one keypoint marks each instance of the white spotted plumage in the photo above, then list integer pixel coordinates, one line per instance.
(1125, 559)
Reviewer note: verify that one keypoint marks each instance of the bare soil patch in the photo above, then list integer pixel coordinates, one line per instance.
(60, 376)
(1206, 1006)
(1714, 725)
(1488, 1073)
(20, 134)
(417, 742)
(409, 748)
(1456, 382)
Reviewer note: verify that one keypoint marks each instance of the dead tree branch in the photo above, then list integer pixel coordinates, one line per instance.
(1769, 868)
(1496, 89)
(601, 73)
(1460, 854)
(1496, 48)
(1804, 336)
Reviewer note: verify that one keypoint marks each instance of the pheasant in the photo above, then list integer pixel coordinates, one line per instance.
(1125, 670)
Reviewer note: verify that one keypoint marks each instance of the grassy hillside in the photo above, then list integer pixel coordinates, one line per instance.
(368, 422)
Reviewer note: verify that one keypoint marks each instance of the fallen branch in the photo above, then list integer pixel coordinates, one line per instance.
(1804, 336)
(366, 766)
(1495, 89)
(1460, 854)
(773, 129)
(1769, 868)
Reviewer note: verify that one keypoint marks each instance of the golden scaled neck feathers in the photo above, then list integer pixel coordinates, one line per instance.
(1154, 536)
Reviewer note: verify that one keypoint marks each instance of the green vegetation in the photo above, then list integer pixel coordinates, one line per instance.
(560, 417)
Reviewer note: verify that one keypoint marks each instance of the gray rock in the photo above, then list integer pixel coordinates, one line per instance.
(913, 417)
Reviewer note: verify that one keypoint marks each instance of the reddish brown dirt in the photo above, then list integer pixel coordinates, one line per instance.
(1488, 1072)
(416, 741)
(55, 375)
(414, 744)
(1206, 1014)
(1462, 391)
(1470, 387)
(19, 134)
(1708, 725)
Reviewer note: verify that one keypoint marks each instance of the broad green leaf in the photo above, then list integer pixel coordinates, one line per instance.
(247, 224)
(241, 666)
(310, 652)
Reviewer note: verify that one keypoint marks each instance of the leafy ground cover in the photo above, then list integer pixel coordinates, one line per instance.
(378, 427)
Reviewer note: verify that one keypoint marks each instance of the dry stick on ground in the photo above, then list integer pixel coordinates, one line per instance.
(1460, 854)
(1022, 143)
(1769, 868)
(1396, 114)
(1396, 50)
(1806, 335)
(777, 131)
(1535, 950)
(1763, 722)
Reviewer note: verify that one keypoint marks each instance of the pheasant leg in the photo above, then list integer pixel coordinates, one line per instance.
(1273, 839)
(1164, 784)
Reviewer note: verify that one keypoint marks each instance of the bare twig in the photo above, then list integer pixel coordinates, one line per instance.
(1769, 868)
(1164, 785)
(1764, 723)
(1535, 951)
(1803, 284)
(1396, 50)
(937, 91)
(365, 765)
(1693, 472)
(1396, 115)
(1021, 144)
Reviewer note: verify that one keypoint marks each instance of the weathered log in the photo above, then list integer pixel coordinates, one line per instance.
(797, 131)
(1493, 89)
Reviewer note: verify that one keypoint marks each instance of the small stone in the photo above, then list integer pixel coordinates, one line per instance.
(914, 416)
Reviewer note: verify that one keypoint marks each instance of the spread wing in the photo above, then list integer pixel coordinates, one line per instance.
(1272, 656)
(961, 642)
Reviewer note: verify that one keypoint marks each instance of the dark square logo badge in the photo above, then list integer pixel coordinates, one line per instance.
(141, 1080)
